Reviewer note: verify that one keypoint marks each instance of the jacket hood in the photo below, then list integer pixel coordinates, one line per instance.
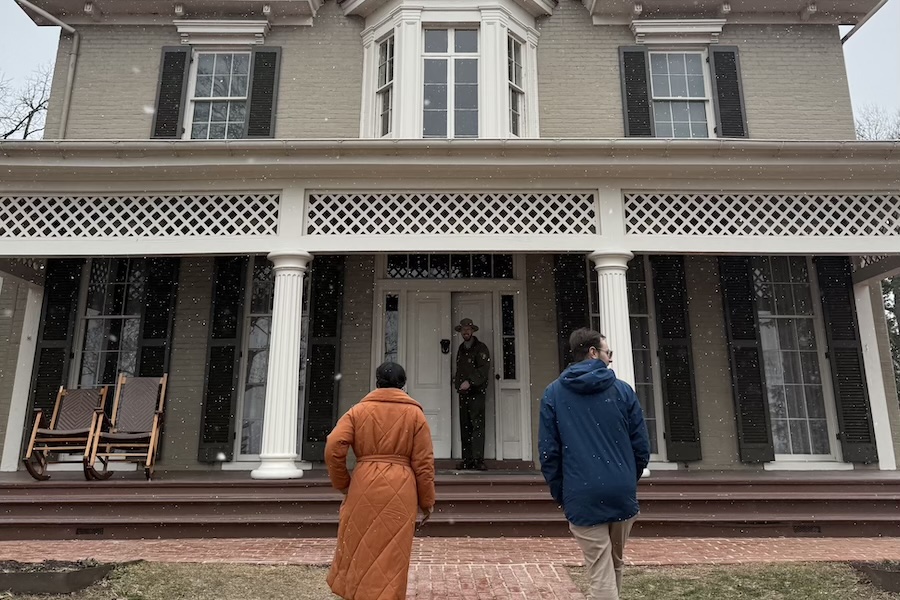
(588, 377)
(390, 395)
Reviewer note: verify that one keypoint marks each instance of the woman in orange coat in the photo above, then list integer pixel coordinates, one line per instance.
(393, 478)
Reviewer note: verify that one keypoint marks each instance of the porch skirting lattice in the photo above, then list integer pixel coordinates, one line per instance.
(769, 215)
(533, 213)
(139, 216)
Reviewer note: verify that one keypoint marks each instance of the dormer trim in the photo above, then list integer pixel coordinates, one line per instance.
(677, 31)
(222, 32)
(365, 8)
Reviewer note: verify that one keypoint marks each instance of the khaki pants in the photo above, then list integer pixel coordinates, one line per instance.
(603, 547)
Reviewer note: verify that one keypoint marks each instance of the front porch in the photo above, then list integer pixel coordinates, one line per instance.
(230, 505)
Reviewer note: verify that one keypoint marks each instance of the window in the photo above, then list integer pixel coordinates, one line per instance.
(450, 104)
(385, 91)
(791, 354)
(516, 88)
(681, 99)
(219, 98)
(643, 340)
(508, 334)
(112, 320)
(391, 328)
(450, 266)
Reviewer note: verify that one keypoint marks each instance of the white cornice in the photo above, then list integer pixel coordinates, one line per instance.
(221, 31)
(677, 31)
(365, 8)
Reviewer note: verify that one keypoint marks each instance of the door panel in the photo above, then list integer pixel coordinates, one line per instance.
(428, 370)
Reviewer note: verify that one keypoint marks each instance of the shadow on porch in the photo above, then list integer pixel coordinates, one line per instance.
(495, 503)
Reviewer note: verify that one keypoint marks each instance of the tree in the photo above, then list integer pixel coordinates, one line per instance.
(23, 110)
(876, 123)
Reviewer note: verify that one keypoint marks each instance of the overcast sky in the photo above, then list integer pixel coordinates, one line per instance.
(873, 53)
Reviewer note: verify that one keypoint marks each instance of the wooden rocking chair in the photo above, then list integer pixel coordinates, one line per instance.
(134, 429)
(70, 428)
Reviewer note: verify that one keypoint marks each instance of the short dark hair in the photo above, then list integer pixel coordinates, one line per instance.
(582, 340)
(390, 375)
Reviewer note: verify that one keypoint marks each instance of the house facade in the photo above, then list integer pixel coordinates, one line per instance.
(266, 199)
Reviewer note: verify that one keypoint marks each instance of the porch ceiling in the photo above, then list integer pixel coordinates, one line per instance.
(862, 165)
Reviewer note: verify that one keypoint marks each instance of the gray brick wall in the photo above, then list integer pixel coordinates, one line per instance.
(543, 358)
(715, 402)
(795, 82)
(13, 298)
(356, 331)
(188, 371)
(118, 70)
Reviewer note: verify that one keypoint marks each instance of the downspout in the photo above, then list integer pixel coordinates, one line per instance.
(73, 59)
(863, 21)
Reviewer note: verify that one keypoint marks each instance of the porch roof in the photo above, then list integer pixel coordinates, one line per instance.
(862, 164)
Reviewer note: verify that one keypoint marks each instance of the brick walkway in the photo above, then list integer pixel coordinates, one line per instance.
(513, 568)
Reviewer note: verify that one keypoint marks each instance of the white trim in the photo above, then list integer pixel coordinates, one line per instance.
(222, 31)
(18, 410)
(874, 378)
(252, 465)
(677, 31)
(799, 465)
(658, 465)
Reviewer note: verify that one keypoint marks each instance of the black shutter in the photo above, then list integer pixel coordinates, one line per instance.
(62, 284)
(171, 90)
(326, 304)
(223, 359)
(634, 68)
(745, 352)
(845, 354)
(676, 366)
(159, 315)
(572, 304)
(263, 93)
(728, 92)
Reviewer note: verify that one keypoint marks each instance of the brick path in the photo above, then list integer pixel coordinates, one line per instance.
(513, 568)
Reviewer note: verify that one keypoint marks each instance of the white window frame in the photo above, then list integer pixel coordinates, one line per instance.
(190, 98)
(451, 56)
(385, 90)
(834, 458)
(516, 88)
(658, 459)
(711, 123)
(407, 21)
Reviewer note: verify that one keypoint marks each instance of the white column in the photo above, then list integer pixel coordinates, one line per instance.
(613, 300)
(408, 92)
(874, 377)
(279, 438)
(532, 108)
(494, 86)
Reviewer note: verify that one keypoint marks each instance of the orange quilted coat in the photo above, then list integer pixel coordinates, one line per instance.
(393, 478)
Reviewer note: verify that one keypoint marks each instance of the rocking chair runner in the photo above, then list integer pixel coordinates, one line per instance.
(70, 428)
(134, 429)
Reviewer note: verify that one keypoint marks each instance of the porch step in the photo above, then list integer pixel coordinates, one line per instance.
(510, 504)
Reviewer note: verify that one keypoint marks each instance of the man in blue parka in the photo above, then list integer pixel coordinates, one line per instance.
(594, 448)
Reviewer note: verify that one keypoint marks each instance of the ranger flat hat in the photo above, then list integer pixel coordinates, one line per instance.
(466, 323)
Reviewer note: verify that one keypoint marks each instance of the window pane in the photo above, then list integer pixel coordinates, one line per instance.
(436, 70)
(466, 97)
(818, 430)
(205, 64)
(664, 130)
(676, 64)
(503, 266)
(220, 87)
(799, 437)
(418, 266)
(481, 266)
(466, 40)
(699, 130)
(790, 364)
(396, 265)
(200, 132)
(796, 404)
(217, 131)
(809, 364)
(694, 64)
(815, 402)
(235, 131)
(780, 269)
(781, 436)
(236, 111)
(806, 336)
(661, 86)
(391, 328)
(682, 130)
(241, 64)
(435, 97)
(223, 64)
(239, 85)
(435, 123)
(507, 305)
(697, 112)
(696, 86)
(204, 86)
(466, 70)
(662, 111)
(201, 112)
(509, 358)
(435, 40)
(786, 336)
(460, 266)
(777, 402)
(681, 111)
(659, 64)
(219, 111)
(679, 86)
(466, 123)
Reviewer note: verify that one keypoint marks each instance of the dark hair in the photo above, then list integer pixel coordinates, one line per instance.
(390, 375)
(582, 340)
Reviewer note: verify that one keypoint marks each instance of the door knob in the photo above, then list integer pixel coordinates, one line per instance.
(445, 346)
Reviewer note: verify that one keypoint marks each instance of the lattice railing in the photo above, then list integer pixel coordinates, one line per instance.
(141, 216)
(667, 213)
(535, 213)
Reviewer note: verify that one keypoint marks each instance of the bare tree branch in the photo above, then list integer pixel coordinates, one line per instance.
(23, 111)
(877, 123)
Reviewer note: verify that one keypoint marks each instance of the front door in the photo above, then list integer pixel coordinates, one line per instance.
(428, 366)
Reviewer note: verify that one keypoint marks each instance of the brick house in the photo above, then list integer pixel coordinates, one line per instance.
(265, 199)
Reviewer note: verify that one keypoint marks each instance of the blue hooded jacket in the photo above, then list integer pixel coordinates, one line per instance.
(593, 444)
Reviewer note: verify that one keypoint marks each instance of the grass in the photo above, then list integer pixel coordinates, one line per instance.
(158, 581)
(814, 581)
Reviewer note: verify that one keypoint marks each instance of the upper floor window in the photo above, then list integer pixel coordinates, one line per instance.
(681, 100)
(516, 85)
(218, 98)
(450, 104)
(385, 91)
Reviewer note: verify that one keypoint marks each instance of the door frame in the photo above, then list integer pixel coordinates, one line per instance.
(515, 286)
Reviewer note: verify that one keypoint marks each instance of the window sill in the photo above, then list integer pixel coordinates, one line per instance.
(808, 465)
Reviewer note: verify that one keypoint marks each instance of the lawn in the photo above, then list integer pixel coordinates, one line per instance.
(813, 581)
